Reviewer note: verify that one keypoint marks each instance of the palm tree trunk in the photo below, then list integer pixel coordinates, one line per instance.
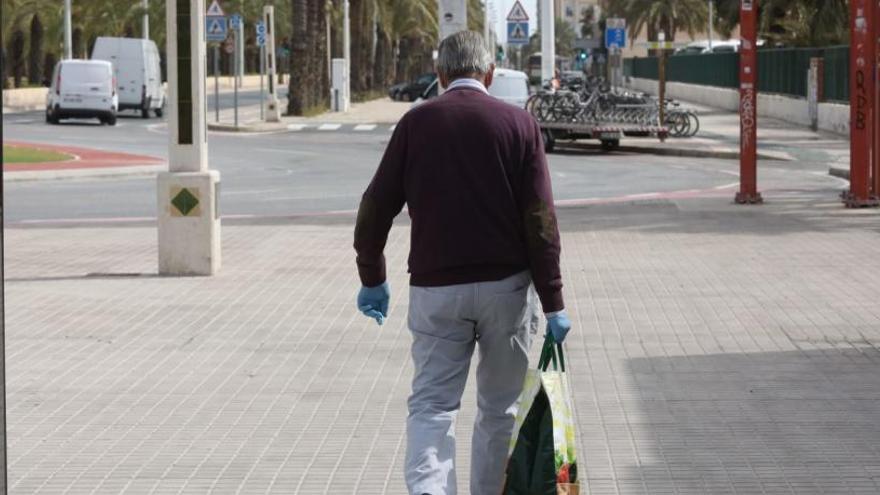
(296, 103)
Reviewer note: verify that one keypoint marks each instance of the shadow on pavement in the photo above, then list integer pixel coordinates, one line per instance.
(794, 422)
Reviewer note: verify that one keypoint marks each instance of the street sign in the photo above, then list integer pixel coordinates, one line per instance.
(615, 33)
(518, 33)
(261, 33)
(215, 28)
(517, 13)
(235, 20)
(215, 10)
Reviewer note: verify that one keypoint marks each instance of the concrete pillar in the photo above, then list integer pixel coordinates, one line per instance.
(346, 54)
(188, 216)
(548, 40)
(273, 110)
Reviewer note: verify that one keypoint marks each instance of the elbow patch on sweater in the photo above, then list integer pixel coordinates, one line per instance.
(366, 216)
(540, 224)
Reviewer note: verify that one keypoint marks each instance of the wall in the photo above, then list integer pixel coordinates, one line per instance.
(833, 117)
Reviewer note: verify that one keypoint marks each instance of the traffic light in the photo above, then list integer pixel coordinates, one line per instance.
(582, 54)
(499, 54)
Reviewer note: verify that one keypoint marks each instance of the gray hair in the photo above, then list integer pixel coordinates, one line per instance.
(462, 54)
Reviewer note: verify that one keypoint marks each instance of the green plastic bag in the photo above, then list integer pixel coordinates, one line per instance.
(542, 449)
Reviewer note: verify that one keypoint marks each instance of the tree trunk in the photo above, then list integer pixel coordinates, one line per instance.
(5, 81)
(35, 53)
(48, 67)
(16, 49)
(296, 102)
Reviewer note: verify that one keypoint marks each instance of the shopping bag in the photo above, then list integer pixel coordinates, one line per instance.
(542, 458)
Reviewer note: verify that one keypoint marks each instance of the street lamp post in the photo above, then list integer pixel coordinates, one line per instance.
(346, 54)
(548, 41)
(145, 31)
(189, 215)
(68, 43)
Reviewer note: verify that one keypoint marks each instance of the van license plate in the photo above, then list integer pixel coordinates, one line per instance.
(609, 135)
(73, 100)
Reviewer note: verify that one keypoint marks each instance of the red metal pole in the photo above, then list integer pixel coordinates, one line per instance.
(861, 95)
(748, 100)
(875, 120)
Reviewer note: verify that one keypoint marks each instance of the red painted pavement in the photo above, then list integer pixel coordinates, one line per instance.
(84, 158)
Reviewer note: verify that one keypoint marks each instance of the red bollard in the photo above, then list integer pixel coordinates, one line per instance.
(748, 100)
(862, 97)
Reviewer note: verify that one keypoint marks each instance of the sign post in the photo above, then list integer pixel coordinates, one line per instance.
(862, 104)
(517, 25)
(748, 100)
(261, 42)
(216, 32)
(188, 217)
(615, 41)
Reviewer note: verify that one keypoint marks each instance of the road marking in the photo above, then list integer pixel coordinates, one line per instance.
(329, 127)
(391, 129)
(727, 186)
(365, 127)
(291, 152)
(296, 127)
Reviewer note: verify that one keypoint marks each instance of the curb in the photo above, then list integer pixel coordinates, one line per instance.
(693, 153)
(839, 172)
(84, 173)
(246, 128)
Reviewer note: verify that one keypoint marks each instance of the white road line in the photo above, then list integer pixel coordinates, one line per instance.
(329, 127)
(641, 196)
(290, 152)
(296, 127)
(365, 127)
(391, 129)
(727, 186)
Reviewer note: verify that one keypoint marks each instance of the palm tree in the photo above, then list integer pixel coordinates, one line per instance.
(669, 16)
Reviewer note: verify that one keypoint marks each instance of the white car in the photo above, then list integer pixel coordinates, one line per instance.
(82, 89)
(510, 86)
(136, 67)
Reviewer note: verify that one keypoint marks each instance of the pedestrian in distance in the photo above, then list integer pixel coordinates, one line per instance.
(484, 248)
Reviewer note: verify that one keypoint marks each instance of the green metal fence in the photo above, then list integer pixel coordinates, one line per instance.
(836, 73)
(780, 70)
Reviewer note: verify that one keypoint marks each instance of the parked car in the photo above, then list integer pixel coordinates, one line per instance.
(510, 86)
(412, 90)
(82, 89)
(136, 66)
(394, 91)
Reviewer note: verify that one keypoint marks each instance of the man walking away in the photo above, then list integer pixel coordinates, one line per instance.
(471, 170)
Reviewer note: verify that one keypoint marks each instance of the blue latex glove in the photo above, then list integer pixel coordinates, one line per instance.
(558, 325)
(373, 301)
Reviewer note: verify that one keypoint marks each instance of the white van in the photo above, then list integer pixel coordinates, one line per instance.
(82, 89)
(136, 65)
(509, 86)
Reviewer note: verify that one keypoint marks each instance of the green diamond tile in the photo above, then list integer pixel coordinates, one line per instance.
(185, 201)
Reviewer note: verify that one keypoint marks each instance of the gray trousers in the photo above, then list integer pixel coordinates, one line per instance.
(500, 319)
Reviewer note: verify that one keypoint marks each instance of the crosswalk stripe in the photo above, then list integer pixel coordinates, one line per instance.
(329, 127)
(296, 127)
(365, 127)
(391, 129)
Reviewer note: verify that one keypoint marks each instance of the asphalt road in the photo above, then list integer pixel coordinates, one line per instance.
(295, 173)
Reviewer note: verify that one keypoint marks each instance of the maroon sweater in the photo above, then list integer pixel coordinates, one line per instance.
(472, 172)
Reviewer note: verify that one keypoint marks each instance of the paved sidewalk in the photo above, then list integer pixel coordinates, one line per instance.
(717, 349)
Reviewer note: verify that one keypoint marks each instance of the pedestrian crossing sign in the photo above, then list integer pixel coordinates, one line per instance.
(215, 10)
(518, 33)
(517, 13)
(215, 28)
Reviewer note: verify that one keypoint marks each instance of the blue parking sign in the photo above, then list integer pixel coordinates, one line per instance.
(615, 33)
